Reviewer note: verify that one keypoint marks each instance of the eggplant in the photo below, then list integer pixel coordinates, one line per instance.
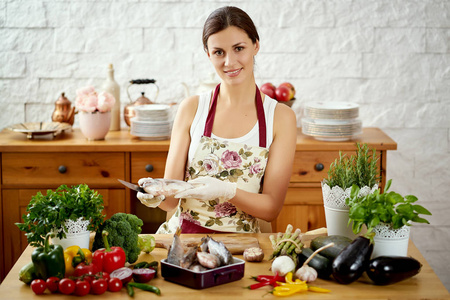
(352, 261)
(384, 270)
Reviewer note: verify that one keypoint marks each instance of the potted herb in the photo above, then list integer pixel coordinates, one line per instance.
(360, 169)
(389, 215)
(65, 212)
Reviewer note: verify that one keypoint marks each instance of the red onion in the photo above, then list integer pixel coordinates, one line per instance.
(124, 274)
(143, 275)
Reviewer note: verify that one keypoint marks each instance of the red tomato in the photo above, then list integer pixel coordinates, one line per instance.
(38, 286)
(99, 286)
(52, 284)
(88, 278)
(82, 288)
(114, 284)
(66, 286)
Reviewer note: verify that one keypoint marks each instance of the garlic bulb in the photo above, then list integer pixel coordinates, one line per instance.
(253, 254)
(306, 273)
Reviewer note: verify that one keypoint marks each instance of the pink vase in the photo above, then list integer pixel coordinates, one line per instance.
(94, 125)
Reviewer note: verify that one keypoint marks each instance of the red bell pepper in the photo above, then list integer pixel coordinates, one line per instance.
(109, 258)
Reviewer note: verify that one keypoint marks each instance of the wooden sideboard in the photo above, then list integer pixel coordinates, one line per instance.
(29, 166)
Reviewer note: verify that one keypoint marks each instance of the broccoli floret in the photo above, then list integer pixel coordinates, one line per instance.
(123, 232)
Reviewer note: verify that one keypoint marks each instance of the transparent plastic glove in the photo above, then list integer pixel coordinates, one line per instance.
(209, 188)
(149, 200)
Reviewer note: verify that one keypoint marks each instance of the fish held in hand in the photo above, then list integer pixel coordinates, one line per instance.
(163, 187)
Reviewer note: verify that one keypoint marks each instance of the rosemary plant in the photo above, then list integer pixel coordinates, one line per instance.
(359, 169)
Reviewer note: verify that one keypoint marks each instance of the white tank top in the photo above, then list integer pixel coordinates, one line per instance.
(251, 138)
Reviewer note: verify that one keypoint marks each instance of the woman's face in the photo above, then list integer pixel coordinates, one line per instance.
(231, 52)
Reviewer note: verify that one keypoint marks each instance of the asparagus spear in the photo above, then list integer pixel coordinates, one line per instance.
(287, 245)
(278, 248)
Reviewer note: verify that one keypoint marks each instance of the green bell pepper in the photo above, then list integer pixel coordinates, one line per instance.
(49, 260)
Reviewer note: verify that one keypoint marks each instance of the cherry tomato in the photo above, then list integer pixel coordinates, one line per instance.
(88, 278)
(99, 286)
(52, 284)
(84, 268)
(66, 286)
(104, 275)
(82, 288)
(114, 284)
(38, 286)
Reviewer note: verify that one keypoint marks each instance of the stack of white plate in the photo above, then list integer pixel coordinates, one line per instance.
(331, 121)
(152, 122)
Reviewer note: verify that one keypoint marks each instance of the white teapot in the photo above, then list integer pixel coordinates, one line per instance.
(205, 86)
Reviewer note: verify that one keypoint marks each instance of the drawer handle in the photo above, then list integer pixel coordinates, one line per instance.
(319, 167)
(62, 169)
(149, 168)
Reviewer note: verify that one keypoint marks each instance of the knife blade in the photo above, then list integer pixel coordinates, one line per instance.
(132, 186)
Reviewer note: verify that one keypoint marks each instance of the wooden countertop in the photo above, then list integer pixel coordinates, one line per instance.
(122, 141)
(425, 285)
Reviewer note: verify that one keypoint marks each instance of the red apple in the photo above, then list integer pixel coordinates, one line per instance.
(268, 89)
(291, 89)
(282, 93)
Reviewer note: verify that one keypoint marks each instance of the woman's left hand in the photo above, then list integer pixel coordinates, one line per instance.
(209, 188)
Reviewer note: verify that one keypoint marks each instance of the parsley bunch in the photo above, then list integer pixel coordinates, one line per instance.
(390, 208)
(48, 213)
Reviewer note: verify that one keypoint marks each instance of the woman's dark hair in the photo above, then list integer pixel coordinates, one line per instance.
(225, 17)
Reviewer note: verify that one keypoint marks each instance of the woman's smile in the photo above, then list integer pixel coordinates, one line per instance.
(233, 73)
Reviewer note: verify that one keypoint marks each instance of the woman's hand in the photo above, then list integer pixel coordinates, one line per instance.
(209, 188)
(149, 200)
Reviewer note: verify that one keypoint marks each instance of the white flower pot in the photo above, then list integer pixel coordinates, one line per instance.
(76, 234)
(336, 211)
(390, 242)
(94, 125)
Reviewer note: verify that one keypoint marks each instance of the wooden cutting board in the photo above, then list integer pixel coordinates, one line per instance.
(235, 243)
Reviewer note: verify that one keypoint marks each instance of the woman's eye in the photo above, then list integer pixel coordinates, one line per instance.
(239, 48)
(218, 52)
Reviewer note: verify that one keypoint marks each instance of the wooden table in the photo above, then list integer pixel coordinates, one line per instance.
(425, 285)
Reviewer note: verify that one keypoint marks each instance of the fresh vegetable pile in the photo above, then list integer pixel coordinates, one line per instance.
(77, 271)
(345, 259)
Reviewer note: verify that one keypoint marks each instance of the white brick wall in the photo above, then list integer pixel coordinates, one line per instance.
(390, 56)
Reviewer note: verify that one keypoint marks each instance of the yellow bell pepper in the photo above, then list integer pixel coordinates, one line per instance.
(75, 255)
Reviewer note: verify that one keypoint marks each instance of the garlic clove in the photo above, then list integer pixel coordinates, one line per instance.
(306, 273)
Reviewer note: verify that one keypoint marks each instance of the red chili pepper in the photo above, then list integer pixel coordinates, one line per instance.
(110, 258)
(264, 280)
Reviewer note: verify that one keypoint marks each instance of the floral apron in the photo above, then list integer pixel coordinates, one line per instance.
(228, 161)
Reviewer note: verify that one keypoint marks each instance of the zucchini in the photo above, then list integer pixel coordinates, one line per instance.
(320, 263)
(385, 270)
(340, 242)
(27, 274)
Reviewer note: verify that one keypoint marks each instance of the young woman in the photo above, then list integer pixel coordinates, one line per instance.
(237, 143)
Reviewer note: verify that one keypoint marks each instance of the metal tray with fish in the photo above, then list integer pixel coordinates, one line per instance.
(203, 279)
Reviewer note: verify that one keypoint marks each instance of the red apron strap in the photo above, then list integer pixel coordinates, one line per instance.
(259, 111)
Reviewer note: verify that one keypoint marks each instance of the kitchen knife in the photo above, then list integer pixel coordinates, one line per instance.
(132, 186)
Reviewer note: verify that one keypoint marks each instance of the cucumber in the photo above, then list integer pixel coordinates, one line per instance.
(340, 242)
(27, 273)
(320, 263)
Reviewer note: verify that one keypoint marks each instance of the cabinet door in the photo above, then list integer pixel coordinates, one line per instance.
(303, 208)
(15, 202)
(147, 164)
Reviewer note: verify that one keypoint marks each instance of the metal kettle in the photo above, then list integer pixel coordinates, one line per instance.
(63, 111)
(128, 112)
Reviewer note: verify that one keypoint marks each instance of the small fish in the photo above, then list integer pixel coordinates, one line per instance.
(196, 267)
(176, 251)
(166, 187)
(189, 258)
(218, 249)
(208, 260)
